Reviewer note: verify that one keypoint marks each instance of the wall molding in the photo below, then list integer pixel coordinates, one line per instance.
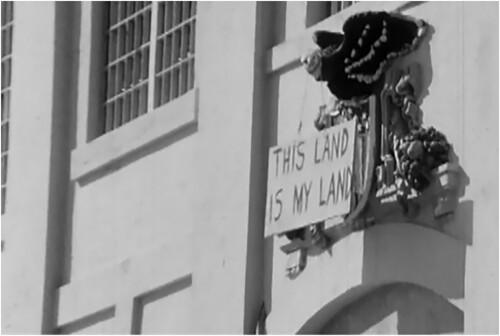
(119, 284)
(117, 145)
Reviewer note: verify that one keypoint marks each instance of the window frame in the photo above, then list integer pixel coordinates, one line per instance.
(96, 151)
(8, 28)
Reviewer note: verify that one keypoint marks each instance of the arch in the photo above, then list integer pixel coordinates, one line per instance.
(399, 307)
(362, 262)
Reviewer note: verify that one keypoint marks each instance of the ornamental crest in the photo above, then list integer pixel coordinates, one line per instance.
(399, 166)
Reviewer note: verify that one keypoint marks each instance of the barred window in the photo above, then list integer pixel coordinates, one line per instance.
(320, 10)
(174, 72)
(338, 6)
(140, 69)
(7, 26)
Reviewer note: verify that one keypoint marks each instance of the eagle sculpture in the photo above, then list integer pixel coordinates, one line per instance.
(353, 63)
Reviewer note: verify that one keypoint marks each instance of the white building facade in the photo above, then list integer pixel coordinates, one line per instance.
(136, 156)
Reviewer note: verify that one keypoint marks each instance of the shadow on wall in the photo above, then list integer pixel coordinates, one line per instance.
(397, 308)
(410, 271)
(409, 275)
(151, 148)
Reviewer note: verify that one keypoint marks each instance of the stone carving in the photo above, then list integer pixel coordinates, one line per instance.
(353, 62)
(404, 159)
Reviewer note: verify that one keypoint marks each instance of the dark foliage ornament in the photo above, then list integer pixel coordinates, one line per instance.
(418, 154)
(353, 63)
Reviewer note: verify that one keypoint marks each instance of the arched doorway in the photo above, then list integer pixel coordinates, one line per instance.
(398, 308)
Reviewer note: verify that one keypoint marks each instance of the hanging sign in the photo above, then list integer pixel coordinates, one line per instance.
(309, 180)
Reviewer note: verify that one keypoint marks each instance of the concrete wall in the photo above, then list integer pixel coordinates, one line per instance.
(157, 227)
(397, 309)
(34, 222)
(174, 207)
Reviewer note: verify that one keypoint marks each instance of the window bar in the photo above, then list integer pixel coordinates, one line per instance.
(136, 74)
(7, 28)
(130, 8)
(173, 58)
(172, 85)
(184, 73)
(192, 36)
(346, 4)
(159, 55)
(5, 137)
(4, 74)
(135, 103)
(184, 54)
(157, 88)
(130, 36)
(118, 113)
(113, 12)
(119, 78)
(178, 13)
(146, 26)
(161, 18)
(150, 73)
(145, 63)
(128, 72)
(9, 73)
(191, 74)
(138, 31)
(121, 10)
(113, 45)
(167, 51)
(4, 42)
(143, 99)
(4, 194)
(111, 82)
(4, 168)
(184, 45)
(169, 16)
(109, 117)
(166, 87)
(126, 108)
(185, 10)
(193, 8)
(5, 105)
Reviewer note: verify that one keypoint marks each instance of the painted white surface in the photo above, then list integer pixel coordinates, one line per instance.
(181, 207)
(23, 229)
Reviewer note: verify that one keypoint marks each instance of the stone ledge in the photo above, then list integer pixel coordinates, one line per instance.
(118, 144)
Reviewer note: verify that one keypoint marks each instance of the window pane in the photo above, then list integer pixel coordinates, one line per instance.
(5, 137)
(5, 105)
(175, 50)
(4, 194)
(127, 63)
(4, 169)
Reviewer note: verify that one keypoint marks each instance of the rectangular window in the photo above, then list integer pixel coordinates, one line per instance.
(338, 6)
(7, 26)
(319, 10)
(150, 46)
(174, 70)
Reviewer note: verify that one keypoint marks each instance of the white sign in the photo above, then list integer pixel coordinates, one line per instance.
(309, 180)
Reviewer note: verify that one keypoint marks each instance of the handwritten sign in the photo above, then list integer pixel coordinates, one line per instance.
(309, 180)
